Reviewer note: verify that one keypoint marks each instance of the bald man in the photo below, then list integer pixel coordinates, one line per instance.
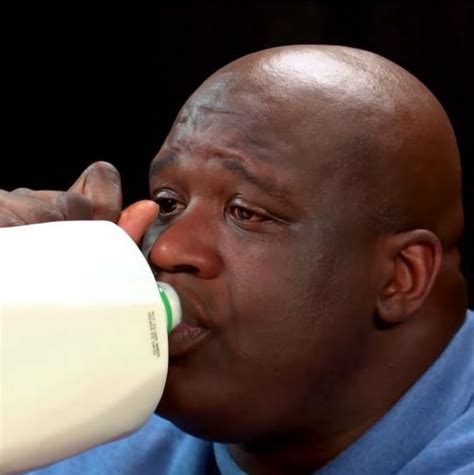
(309, 216)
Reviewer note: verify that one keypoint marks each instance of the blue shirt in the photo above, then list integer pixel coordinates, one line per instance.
(429, 431)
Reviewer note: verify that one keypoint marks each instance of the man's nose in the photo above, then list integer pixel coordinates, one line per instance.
(188, 244)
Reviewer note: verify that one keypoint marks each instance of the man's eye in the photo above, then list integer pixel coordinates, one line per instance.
(247, 215)
(168, 206)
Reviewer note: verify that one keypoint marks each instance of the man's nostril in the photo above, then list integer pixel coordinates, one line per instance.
(186, 268)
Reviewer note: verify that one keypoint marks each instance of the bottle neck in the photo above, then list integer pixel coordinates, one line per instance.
(171, 304)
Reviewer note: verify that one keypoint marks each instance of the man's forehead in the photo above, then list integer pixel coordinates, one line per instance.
(249, 129)
(268, 108)
(278, 142)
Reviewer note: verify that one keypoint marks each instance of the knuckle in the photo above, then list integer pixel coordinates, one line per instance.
(23, 206)
(107, 170)
(43, 215)
(59, 199)
(21, 191)
(71, 197)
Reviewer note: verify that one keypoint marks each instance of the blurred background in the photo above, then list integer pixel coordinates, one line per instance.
(82, 85)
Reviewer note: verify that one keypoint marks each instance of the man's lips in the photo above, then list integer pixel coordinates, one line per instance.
(185, 338)
(193, 327)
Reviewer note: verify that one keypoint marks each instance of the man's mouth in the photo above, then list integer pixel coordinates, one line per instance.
(185, 338)
(193, 328)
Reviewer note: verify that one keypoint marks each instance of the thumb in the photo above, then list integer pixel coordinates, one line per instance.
(138, 217)
(100, 183)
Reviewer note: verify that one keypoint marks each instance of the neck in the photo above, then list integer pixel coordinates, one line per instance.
(371, 393)
(287, 454)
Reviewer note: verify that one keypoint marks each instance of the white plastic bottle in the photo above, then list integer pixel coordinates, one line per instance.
(83, 335)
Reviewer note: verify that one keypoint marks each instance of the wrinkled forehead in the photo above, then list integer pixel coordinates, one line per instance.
(232, 124)
(229, 101)
(280, 123)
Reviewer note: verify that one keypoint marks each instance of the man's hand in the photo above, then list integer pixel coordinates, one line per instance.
(97, 194)
(138, 217)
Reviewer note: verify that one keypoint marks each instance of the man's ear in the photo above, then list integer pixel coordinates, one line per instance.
(411, 263)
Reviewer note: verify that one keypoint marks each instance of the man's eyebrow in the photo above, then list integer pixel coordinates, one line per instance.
(158, 165)
(264, 183)
(234, 166)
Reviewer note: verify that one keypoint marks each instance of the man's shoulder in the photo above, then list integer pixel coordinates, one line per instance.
(450, 452)
(158, 447)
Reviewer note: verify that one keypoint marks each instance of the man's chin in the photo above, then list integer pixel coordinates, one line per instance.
(206, 426)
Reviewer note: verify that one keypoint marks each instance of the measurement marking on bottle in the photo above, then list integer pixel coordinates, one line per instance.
(153, 334)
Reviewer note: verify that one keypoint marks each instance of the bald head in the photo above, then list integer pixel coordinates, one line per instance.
(378, 129)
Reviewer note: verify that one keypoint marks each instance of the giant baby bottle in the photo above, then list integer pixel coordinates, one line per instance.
(83, 335)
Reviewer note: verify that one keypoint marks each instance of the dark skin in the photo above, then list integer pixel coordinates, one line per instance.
(301, 222)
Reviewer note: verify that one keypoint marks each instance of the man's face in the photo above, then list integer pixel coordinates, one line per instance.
(257, 238)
